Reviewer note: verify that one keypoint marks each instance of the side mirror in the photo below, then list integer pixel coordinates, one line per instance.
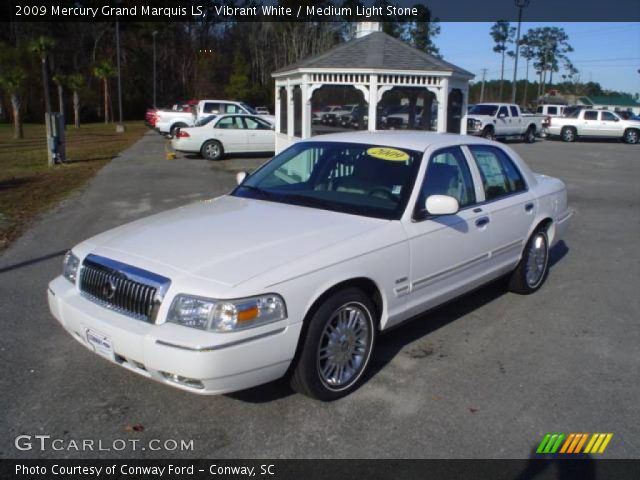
(441, 205)
(501, 115)
(240, 176)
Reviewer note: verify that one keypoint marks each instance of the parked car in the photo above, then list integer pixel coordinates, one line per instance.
(316, 116)
(300, 267)
(400, 119)
(357, 118)
(594, 124)
(262, 111)
(503, 120)
(167, 122)
(226, 134)
(332, 117)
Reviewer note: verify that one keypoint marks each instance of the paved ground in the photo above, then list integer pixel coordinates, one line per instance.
(486, 376)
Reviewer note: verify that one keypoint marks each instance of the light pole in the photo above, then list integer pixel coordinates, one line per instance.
(120, 127)
(521, 4)
(155, 32)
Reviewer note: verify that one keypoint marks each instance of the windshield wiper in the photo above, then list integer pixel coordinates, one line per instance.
(258, 190)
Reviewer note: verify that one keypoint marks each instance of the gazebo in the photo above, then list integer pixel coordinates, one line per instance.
(373, 63)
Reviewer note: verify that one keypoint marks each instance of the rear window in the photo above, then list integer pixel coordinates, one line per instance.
(591, 115)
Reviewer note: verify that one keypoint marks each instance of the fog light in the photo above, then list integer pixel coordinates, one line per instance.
(179, 379)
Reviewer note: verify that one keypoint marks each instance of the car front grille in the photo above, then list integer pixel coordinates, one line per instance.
(123, 288)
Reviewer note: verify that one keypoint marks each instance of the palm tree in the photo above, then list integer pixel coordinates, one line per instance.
(502, 33)
(60, 79)
(103, 71)
(12, 80)
(75, 83)
(42, 46)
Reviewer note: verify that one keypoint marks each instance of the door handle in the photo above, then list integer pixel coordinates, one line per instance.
(481, 222)
(528, 207)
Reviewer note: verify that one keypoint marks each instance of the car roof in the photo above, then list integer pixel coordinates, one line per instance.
(412, 140)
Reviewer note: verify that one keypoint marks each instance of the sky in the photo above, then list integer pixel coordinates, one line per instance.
(607, 53)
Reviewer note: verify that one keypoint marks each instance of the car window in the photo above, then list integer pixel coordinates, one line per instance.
(608, 117)
(253, 123)
(503, 111)
(539, 110)
(499, 174)
(448, 174)
(514, 111)
(211, 107)
(552, 111)
(591, 115)
(230, 123)
(355, 178)
(231, 108)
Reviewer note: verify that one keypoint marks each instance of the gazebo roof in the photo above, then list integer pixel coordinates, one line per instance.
(376, 50)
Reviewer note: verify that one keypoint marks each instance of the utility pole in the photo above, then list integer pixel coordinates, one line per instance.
(120, 127)
(484, 73)
(155, 32)
(520, 4)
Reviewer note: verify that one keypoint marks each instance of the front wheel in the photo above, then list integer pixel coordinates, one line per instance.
(532, 270)
(337, 347)
(212, 150)
(488, 133)
(631, 136)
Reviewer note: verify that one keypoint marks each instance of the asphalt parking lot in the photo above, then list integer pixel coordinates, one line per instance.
(484, 377)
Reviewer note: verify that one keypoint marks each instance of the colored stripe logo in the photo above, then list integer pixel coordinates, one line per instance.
(574, 442)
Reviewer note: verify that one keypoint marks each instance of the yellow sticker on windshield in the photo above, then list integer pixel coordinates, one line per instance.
(390, 154)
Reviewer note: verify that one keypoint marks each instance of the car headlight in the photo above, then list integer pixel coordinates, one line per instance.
(226, 315)
(70, 267)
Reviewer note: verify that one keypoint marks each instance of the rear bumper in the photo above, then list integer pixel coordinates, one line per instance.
(213, 363)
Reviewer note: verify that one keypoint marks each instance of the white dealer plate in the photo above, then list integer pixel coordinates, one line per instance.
(101, 344)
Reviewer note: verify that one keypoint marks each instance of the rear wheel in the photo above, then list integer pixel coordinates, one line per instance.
(212, 150)
(568, 134)
(488, 133)
(631, 136)
(337, 347)
(530, 135)
(532, 270)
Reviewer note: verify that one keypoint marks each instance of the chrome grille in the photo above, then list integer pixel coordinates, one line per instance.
(126, 289)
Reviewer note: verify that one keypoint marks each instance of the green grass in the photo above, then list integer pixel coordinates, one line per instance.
(28, 186)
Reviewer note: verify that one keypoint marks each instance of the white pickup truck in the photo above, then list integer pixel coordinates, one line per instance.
(503, 120)
(167, 121)
(594, 123)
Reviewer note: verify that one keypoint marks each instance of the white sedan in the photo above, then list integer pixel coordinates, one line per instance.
(234, 133)
(299, 268)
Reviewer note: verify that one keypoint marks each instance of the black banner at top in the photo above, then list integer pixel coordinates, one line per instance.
(318, 11)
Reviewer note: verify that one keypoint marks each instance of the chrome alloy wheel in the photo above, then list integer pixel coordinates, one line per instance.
(212, 150)
(537, 258)
(345, 346)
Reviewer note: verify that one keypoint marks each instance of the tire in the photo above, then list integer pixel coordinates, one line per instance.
(568, 134)
(488, 133)
(631, 136)
(212, 150)
(533, 267)
(337, 347)
(174, 128)
(530, 135)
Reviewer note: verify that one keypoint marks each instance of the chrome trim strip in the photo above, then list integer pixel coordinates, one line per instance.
(567, 215)
(225, 345)
(508, 246)
(423, 282)
(51, 291)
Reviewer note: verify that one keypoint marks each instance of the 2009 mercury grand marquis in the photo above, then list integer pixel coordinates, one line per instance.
(297, 270)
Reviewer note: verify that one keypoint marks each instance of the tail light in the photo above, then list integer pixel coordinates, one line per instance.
(182, 134)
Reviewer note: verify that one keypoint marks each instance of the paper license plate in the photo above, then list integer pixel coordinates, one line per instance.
(101, 344)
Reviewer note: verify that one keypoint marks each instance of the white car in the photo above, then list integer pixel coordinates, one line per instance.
(592, 123)
(299, 268)
(226, 134)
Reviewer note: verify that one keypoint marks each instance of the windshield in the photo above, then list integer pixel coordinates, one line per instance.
(248, 108)
(205, 120)
(489, 110)
(354, 178)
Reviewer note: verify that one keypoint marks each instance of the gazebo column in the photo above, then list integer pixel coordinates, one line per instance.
(290, 119)
(443, 105)
(465, 104)
(306, 108)
(373, 102)
(277, 106)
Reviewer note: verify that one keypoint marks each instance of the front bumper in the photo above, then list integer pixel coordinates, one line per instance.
(215, 362)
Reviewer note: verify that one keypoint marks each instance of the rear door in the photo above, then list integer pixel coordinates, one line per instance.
(231, 132)
(515, 121)
(589, 124)
(508, 202)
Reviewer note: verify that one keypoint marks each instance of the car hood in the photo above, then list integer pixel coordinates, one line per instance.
(228, 239)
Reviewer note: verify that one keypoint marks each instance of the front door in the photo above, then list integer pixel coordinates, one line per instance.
(231, 132)
(449, 252)
(260, 135)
